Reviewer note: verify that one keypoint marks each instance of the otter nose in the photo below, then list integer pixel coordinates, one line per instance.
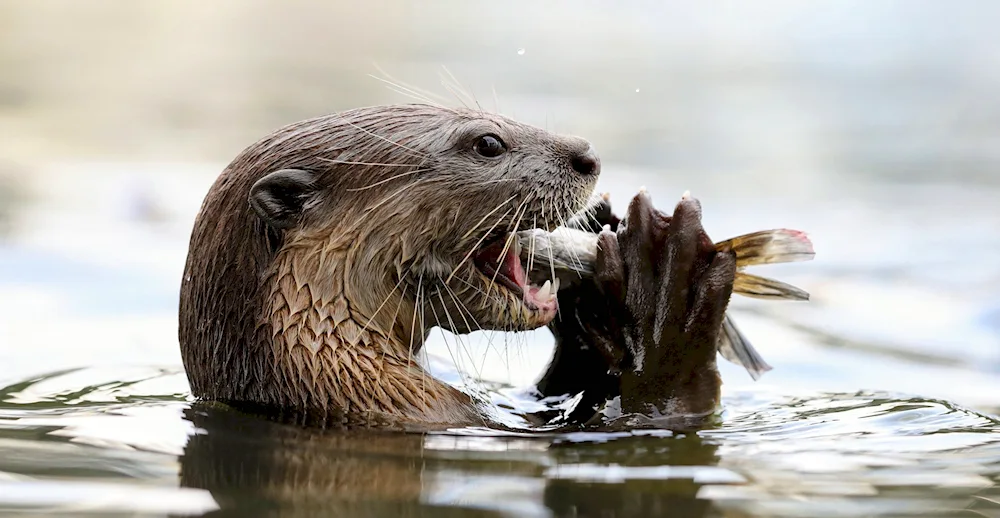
(586, 162)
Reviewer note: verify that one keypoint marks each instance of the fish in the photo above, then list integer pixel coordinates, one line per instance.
(570, 250)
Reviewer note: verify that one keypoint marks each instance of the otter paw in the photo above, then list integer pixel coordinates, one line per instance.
(673, 289)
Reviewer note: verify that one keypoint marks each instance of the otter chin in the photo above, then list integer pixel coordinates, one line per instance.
(325, 252)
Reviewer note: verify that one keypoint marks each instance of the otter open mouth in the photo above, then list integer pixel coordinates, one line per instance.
(504, 267)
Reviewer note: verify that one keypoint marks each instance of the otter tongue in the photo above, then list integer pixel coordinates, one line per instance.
(510, 266)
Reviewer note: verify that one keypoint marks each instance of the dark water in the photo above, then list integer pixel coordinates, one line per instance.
(76, 443)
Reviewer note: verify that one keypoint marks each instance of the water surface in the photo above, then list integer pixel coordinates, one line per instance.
(79, 443)
(873, 125)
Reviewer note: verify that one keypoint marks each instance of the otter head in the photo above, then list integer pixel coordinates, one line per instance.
(371, 227)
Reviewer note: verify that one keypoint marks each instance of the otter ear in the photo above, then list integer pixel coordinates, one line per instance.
(279, 197)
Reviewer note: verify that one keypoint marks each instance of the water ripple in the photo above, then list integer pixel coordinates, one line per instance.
(79, 440)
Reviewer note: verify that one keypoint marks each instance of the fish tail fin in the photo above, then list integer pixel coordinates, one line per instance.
(735, 347)
(763, 288)
(769, 247)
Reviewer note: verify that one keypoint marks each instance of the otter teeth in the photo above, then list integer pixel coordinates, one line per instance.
(548, 291)
(545, 292)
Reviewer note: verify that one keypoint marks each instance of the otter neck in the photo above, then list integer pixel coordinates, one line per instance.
(330, 353)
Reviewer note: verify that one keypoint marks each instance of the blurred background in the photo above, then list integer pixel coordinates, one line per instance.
(873, 125)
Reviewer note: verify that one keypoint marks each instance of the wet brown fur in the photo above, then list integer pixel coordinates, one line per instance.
(327, 316)
(327, 353)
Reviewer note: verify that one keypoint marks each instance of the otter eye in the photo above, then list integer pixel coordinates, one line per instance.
(489, 146)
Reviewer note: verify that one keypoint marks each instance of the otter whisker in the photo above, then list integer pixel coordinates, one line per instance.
(460, 306)
(423, 339)
(511, 238)
(552, 272)
(496, 99)
(519, 339)
(366, 212)
(573, 255)
(544, 218)
(523, 209)
(387, 180)
(413, 88)
(531, 246)
(455, 93)
(561, 223)
(444, 338)
(409, 348)
(480, 222)
(496, 298)
(458, 212)
(387, 297)
(461, 88)
(384, 139)
(552, 266)
(402, 297)
(408, 92)
(588, 215)
(403, 189)
(458, 339)
(476, 246)
(572, 252)
(395, 314)
(350, 162)
(499, 180)
(595, 208)
(470, 286)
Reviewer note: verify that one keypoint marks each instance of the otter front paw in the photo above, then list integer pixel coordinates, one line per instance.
(671, 290)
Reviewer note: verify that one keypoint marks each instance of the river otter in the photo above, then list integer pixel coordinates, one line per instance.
(325, 252)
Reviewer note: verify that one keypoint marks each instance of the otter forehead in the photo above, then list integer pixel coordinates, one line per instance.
(396, 136)
(431, 129)
(517, 133)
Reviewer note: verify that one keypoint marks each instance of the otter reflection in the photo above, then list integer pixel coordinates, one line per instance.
(255, 466)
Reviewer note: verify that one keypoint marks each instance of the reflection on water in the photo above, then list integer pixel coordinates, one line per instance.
(78, 443)
(872, 125)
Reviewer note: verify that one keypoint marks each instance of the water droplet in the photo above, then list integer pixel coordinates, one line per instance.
(520, 52)
(636, 90)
